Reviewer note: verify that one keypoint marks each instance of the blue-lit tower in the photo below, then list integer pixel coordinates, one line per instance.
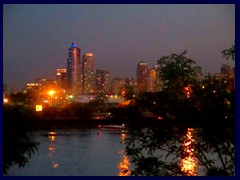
(74, 71)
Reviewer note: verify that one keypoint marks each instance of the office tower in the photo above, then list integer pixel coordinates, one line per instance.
(102, 81)
(155, 83)
(142, 77)
(46, 84)
(130, 82)
(117, 86)
(88, 75)
(61, 78)
(74, 70)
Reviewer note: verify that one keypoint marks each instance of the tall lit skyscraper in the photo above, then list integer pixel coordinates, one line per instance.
(102, 81)
(61, 78)
(88, 75)
(74, 70)
(142, 77)
(154, 82)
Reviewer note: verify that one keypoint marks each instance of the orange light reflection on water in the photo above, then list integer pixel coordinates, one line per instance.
(52, 148)
(189, 163)
(124, 164)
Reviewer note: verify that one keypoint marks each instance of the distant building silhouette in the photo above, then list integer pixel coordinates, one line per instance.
(142, 77)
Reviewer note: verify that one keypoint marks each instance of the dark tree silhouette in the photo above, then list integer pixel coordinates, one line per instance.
(18, 144)
(229, 53)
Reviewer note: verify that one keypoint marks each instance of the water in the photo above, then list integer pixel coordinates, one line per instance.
(85, 152)
(96, 152)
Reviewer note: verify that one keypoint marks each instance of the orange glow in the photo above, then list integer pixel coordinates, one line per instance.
(189, 163)
(125, 103)
(51, 149)
(123, 136)
(52, 135)
(188, 91)
(39, 107)
(55, 165)
(51, 92)
(5, 100)
(123, 166)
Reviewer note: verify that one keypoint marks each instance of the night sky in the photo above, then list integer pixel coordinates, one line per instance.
(36, 38)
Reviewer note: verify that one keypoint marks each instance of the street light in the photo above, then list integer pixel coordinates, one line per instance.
(51, 94)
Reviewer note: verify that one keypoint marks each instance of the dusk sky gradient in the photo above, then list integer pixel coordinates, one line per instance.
(36, 37)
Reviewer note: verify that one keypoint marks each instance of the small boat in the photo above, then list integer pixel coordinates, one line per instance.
(112, 127)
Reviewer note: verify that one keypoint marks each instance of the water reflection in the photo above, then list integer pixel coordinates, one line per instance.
(189, 162)
(124, 165)
(52, 148)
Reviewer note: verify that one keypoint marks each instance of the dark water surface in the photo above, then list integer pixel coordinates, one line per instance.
(82, 152)
(94, 152)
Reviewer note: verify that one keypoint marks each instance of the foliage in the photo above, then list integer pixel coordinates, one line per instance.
(229, 53)
(99, 104)
(129, 92)
(158, 151)
(215, 100)
(18, 144)
(23, 98)
(177, 71)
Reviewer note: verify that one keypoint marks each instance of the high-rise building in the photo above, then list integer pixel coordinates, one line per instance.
(130, 82)
(102, 81)
(88, 75)
(74, 70)
(46, 84)
(61, 78)
(117, 85)
(155, 83)
(142, 77)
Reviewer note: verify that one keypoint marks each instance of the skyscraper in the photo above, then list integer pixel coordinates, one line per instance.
(88, 75)
(61, 78)
(74, 70)
(142, 77)
(154, 82)
(102, 81)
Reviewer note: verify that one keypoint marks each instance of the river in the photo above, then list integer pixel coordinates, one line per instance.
(80, 152)
(89, 152)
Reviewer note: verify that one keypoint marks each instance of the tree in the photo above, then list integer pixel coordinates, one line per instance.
(180, 78)
(174, 151)
(227, 53)
(18, 144)
(177, 71)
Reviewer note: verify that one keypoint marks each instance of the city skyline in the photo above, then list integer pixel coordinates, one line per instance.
(119, 36)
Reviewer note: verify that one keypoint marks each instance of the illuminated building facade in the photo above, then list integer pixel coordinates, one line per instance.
(142, 77)
(102, 81)
(155, 83)
(88, 74)
(61, 78)
(130, 82)
(46, 84)
(33, 87)
(74, 70)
